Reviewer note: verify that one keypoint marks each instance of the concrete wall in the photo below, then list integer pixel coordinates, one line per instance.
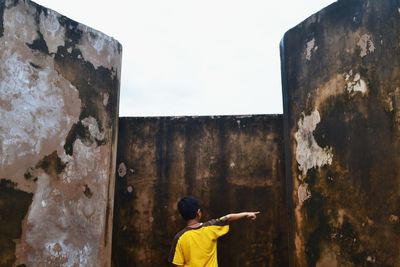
(341, 88)
(229, 163)
(59, 84)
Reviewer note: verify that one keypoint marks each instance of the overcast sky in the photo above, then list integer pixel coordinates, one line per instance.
(184, 57)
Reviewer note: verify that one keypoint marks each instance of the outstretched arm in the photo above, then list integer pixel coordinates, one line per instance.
(241, 215)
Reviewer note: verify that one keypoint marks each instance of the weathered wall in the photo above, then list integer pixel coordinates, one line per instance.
(341, 77)
(59, 84)
(229, 163)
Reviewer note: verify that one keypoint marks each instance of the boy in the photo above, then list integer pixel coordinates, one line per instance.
(196, 244)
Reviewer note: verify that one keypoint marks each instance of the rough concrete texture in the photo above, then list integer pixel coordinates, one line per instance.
(59, 83)
(229, 163)
(341, 88)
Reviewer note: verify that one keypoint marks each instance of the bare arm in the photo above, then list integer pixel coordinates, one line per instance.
(242, 215)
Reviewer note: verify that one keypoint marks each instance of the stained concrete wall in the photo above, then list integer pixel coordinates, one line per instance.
(230, 164)
(341, 88)
(59, 84)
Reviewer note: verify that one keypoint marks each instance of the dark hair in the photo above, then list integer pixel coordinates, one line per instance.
(188, 207)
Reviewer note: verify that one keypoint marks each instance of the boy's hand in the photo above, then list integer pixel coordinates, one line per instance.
(252, 215)
(242, 215)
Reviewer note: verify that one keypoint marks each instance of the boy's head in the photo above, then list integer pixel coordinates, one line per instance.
(188, 207)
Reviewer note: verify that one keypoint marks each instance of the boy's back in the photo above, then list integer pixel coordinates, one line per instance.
(197, 246)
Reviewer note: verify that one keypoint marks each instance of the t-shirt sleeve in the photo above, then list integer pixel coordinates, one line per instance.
(219, 226)
(220, 230)
(177, 257)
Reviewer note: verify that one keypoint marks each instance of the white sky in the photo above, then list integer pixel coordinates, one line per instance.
(186, 57)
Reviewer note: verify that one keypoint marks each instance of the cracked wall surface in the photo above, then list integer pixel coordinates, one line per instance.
(59, 83)
(341, 80)
(230, 163)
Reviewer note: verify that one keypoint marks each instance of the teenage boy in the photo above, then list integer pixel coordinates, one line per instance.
(196, 244)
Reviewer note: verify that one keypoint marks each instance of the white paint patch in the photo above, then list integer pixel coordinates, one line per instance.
(52, 31)
(232, 164)
(18, 23)
(42, 194)
(105, 99)
(99, 48)
(36, 111)
(371, 259)
(82, 164)
(366, 45)
(393, 218)
(303, 193)
(63, 226)
(93, 126)
(72, 255)
(355, 83)
(308, 153)
(310, 48)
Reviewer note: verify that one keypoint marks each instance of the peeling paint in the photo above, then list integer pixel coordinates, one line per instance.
(344, 161)
(82, 164)
(52, 31)
(232, 164)
(57, 135)
(68, 255)
(37, 113)
(93, 126)
(34, 97)
(355, 83)
(101, 49)
(310, 48)
(303, 193)
(308, 153)
(366, 45)
(106, 97)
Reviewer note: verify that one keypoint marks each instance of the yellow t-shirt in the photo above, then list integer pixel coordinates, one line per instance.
(197, 247)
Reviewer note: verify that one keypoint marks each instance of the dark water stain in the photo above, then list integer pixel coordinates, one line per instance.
(14, 205)
(39, 44)
(51, 164)
(81, 132)
(152, 148)
(362, 181)
(2, 7)
(192, 130)
(87, 192)
(125, 236)
(72, 34)
(35, 66)
(92, 84)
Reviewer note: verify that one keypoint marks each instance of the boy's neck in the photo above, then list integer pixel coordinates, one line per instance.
(192, 223)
